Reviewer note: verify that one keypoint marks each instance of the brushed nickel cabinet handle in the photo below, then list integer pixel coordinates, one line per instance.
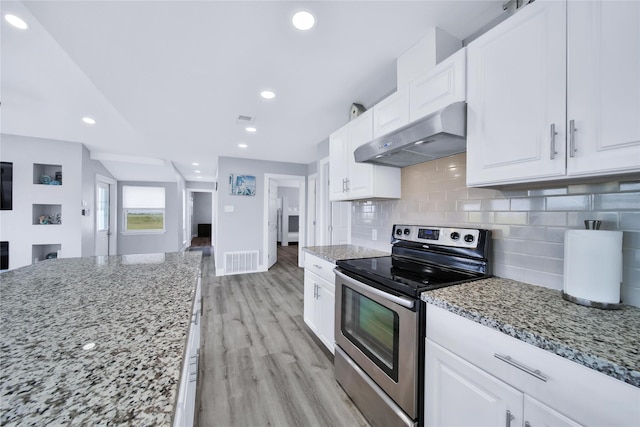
(319, 267)
(553, 151)
(572, 138)
(534, 372)
(527, 424)
(509, 419)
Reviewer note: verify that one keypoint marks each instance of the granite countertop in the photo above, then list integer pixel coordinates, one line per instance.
(605, 340)
(334, 253)
(136, 309)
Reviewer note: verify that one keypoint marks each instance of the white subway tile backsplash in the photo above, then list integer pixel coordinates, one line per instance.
(569, 203)
(516, 218)
(528, 225)
(605, 187)
(630, 221)
(617, 201)
(527, 204)
(630, 186)
(555, 219)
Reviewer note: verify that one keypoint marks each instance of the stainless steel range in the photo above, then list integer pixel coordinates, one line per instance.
(379, 327)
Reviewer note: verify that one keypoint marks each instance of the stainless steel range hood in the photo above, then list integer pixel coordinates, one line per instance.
(439, 134)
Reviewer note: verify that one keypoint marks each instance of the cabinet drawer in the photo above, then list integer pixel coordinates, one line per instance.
(319, 266)
(584, 395)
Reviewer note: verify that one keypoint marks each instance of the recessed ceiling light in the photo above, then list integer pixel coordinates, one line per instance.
(267, 94)
(197, 171)
(241, 145)
(15, 21)
(195, 164)
(303, 20)
(89, 120)
(250, 129)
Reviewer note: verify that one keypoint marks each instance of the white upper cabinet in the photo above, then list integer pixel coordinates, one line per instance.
(353, 181)
(516, 96)
(391, 113)
(443, 85)
(531, 117)
(603, 86)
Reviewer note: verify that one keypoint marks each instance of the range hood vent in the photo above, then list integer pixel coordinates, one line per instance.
(440, 134)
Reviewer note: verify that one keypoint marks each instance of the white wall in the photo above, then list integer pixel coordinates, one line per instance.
(242, 229)
(17, 225)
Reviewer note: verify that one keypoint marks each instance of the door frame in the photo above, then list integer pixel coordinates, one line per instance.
(300, 180)
(312, 214)
(113, 216)
(189, 211)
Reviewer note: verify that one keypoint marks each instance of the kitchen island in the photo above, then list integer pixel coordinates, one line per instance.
(98, 340)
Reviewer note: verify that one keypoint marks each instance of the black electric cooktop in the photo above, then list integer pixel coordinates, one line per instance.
(405, 276)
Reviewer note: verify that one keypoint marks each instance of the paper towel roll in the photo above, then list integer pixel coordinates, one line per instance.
(593, 265)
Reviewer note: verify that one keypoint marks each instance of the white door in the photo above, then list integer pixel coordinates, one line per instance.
(458, 393)
(603, 86)
(311, 213)
(273, 223)
(516, 97)
(340, 223)
(103, 218)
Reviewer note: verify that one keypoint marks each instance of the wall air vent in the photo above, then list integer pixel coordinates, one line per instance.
(243, 119)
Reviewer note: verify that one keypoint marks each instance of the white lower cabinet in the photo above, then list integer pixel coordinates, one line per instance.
(478, 376)
(186, 402)
(319, 299)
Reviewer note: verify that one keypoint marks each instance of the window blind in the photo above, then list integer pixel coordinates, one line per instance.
(142, 197)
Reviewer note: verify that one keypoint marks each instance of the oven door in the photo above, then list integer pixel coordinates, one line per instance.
(379, 333)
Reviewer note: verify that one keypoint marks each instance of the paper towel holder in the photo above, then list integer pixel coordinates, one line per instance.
(589, 225)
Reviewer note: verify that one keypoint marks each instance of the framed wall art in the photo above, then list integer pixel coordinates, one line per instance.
(242, 185)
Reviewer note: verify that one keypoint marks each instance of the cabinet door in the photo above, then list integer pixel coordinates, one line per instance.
(391, 113)
(443, 85)
(325, 313)
(310, 291)
(604, 86)
(537, 414)
(459, 394)
(360, 174)
(338, 163)
(516, 92)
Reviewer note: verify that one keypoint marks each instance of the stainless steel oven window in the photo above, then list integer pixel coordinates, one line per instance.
(373, 328)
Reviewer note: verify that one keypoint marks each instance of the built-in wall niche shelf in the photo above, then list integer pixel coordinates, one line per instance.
(47, 214)
(42, 252)
(47, 174)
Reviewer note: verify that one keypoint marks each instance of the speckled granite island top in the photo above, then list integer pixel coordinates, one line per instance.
(334, 253)
(605, 340)
(137, 311)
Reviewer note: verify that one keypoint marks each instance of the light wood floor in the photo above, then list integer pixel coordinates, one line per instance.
(260, 364)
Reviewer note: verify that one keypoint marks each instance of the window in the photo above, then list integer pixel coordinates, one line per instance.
(143, 209)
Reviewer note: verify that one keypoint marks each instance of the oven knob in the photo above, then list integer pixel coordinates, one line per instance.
(399, 232)
(468, 238)
(455, 235)
(406, 231)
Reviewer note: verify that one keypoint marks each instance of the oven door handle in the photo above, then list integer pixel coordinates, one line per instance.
(405, 302)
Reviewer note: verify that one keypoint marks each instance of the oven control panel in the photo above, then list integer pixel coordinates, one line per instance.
(444, 236)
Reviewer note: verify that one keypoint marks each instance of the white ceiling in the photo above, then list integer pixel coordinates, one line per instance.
(166, 80)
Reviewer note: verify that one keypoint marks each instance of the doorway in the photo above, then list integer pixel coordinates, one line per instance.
(106, 220)
(272, 183)
(200, 217)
